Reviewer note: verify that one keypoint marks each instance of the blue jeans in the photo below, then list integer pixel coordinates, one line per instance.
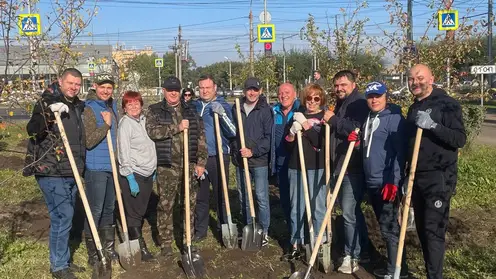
(60, 197)
(355, 230)
(259, 175)
(317, 195)
(282, 176)
(101, 197)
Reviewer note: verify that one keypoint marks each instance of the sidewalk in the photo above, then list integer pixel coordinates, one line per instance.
(488, 133)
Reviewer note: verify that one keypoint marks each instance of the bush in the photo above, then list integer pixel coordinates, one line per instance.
(473, 117)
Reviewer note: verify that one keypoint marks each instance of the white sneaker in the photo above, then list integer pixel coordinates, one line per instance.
(348, 266)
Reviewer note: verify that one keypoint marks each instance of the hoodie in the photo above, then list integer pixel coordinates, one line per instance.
(384, 147)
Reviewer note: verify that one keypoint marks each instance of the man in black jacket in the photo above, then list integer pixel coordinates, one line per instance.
(47, 160)
(257, 122)
(440, 116)
(350, 113)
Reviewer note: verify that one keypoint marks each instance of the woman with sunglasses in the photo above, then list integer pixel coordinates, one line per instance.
(137, 166)
(187, 95)
(313, 138)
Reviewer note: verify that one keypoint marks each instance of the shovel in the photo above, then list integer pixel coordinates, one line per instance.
(326, 260)
(103, 268)
(306, 274)
(252, 234)
(192, 263)
(129, 250)
(229, 230)
(406, 206)
(306, 197)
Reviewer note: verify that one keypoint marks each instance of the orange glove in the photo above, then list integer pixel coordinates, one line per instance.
(389, 192)
(353, 136)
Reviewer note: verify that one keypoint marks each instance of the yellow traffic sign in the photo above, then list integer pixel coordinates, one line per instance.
(159, 62)
(29, 24)
(447, 20)
(266, 33)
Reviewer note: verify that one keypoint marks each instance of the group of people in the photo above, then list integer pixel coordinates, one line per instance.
(150, 144)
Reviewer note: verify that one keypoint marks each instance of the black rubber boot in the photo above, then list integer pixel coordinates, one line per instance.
(136, 233)
(108, 238)
(92, 253)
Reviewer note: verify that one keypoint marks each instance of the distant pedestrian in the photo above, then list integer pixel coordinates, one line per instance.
(188, 95)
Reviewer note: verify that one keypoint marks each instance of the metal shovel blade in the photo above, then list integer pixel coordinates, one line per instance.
(129, 254)
(252, 237)
(302, 274)
(192, 264)
(230, 235)
(326, 261)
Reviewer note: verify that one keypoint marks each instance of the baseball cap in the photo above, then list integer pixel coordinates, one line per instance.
(172, 83)
(252, 82)
(375, 88)
(104, 78)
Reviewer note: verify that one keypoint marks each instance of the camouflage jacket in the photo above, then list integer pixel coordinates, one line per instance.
(162, 126)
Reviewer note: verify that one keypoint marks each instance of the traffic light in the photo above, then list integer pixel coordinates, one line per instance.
(268, 49)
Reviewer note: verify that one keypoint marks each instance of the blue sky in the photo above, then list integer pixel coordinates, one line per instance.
(213, 27)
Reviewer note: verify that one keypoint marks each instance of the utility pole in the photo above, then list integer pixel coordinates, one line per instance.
(180, 62)
(450, 37)
(409, 36)
(283, 60)
(490, 22)
(252, 70)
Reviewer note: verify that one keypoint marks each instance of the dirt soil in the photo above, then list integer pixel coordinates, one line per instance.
(30, 219)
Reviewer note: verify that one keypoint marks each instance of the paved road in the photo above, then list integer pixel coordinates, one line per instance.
(488, 133)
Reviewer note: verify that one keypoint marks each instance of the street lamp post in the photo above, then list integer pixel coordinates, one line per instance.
(230, 73)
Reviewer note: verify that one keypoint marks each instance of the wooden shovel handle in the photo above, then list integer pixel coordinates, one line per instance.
(186, 187)
(220, 154)
(79, 183)
(347, 158)
(406, 206)
(305, 184)
(328, 172)
(245, 160)
(115, 175)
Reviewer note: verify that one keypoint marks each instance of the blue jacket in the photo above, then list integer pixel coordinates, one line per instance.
(282, 123)
(206, 113)
(384, 147)
(98, 158)
(258, 129)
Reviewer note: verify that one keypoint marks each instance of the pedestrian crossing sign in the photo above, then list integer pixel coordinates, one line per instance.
(29, 24)
(266, 33)
(448, 20)
(159, 62)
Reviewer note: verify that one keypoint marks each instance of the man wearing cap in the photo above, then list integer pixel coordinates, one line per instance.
(257, 123)
(166, 124)
(384, 151)
(100, 116)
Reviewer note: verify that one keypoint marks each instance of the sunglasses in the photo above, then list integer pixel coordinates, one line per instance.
(314, 98)
(187, 95)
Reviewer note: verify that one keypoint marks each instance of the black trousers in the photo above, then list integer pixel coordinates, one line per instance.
(135, 207)
(203, 196)
(431, 197)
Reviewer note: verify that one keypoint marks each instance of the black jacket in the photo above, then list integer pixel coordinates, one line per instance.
(258, 130)
(46, 154)
(439, 147)
(351, 113)
(313, 146)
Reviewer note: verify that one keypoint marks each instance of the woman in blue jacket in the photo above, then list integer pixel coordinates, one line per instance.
(384, 150)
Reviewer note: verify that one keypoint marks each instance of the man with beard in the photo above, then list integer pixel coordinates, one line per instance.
(350, 113)
(440, 116)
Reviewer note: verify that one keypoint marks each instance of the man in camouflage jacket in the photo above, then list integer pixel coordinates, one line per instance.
(166, 122)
